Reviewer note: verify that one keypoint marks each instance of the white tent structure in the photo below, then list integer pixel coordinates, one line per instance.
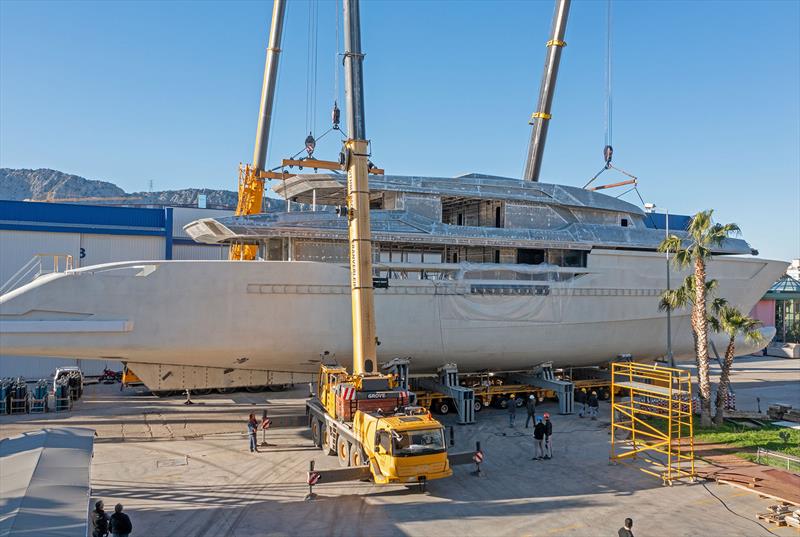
(45, 483)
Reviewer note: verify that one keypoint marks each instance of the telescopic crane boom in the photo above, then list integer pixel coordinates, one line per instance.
(251, 176)
(541, 118)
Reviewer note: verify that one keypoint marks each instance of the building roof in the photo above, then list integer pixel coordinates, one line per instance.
(45, 484)
(787, 288)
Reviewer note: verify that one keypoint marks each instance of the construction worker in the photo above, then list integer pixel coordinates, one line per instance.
(593, 405)
(252, 429)
(548, 437)
(580, 397)
(538, 439)
(99, 520)
(627, 529)
(120, 523)
(530, 406)
(512, 410)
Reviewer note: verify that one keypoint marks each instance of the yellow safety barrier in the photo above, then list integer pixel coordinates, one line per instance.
(651, 420)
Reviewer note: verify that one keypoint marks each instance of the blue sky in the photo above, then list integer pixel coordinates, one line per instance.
(706, 95)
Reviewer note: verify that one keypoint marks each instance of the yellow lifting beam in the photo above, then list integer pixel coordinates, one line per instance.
(651, 419)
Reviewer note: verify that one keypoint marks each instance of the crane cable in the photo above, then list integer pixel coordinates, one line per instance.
(311, 66)
(608, 149)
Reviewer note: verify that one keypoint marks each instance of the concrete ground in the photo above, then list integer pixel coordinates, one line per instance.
(770, 379)
(187, 471)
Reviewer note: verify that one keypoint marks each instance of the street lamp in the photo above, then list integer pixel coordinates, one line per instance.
(651, 208)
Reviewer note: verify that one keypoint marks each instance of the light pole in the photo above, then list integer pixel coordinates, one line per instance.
(651, 207)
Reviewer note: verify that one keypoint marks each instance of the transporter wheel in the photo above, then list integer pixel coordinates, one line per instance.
(520, 400)
(277, 387)
(200, 391)
(226, 390)
(503, 403)
(343, 451)
(255, 389)
(605, 395)
(316, 432)
(477, 404)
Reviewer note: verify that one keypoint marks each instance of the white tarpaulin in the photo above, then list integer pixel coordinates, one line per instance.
(45, 484)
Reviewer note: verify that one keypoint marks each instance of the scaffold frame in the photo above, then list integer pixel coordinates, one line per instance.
(651, 407)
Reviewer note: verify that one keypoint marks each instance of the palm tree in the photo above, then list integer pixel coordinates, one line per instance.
(733, 322)
(695, 250)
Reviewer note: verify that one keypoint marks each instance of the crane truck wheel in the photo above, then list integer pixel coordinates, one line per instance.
(328, 446)
(477, 404)
(357, 457)
(316, 432)
(343, 448)
(442, 407)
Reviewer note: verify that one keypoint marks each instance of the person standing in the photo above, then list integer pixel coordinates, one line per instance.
(120, 523)
(530, 406)
(627, 529)
(252, 429)
(580, 397)
(538, 439)
(594, 405)
(99, 520)
(512, 410)
(548, 437)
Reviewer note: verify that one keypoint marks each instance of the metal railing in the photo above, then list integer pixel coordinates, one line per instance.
(38, 265)
(790, 459)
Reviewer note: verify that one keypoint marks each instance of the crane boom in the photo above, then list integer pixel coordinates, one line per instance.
(541, 118)
(251, 177)
(359, 234)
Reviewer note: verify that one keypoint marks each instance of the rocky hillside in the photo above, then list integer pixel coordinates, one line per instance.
(44, 184)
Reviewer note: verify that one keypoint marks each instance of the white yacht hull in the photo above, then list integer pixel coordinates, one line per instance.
(280, 316)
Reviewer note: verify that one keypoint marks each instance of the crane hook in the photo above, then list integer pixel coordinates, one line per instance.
(335, 113)
(608, 153)
(311, 143)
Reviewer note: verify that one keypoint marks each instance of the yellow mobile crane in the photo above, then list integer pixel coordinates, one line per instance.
(363, 417)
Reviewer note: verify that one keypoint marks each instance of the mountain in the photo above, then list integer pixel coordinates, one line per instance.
(44, 184)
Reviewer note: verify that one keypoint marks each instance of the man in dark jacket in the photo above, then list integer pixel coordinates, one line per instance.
(627, 530)
(99, 520)
(120, 523)
(594, 405)
(548, 437)
(580, 398)
(538, 439)
(512, 410)
(530, 406)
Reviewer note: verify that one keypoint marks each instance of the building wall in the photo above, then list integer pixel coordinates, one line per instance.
(199, 252)
(96, 249)
(33, 368)
(18, 247)
(764, 311)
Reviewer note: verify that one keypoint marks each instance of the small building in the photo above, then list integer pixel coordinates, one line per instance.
(780, 307)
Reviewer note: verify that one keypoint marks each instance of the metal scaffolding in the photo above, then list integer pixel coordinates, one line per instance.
(651, 420)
